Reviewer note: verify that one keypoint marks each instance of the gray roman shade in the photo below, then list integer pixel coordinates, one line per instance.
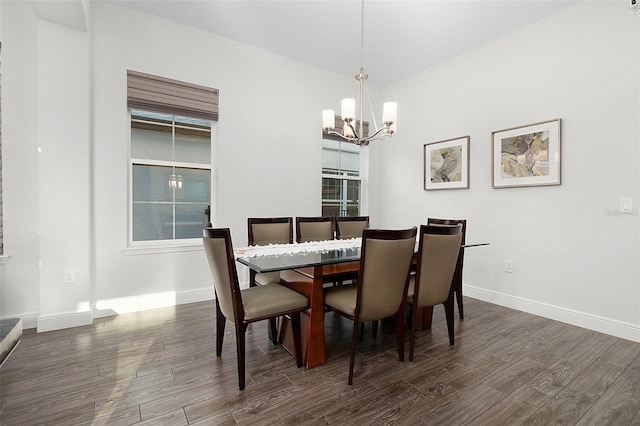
(339, 124)
(159, 94)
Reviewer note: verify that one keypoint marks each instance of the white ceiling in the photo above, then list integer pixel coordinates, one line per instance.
(401, 36)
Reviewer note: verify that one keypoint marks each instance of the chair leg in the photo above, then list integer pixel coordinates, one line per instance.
(459, 300)
(374, 328)
(413, 324)
(241, 330)
(297, 337)
(273, 331)
(457, 286)
(449, 311)
(354, 345)
(398, 320)
(220, 323)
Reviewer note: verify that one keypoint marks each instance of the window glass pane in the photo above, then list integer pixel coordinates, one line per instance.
(151, 116)
(330, 190)
(192, 122)
(151, 183)
(151, 141)
(340, 197)
(340, 158)
(196, 185)
(152, 221)
(350, 163)
(192, 145)
(190, 220)
(330, 162)
(330, 210)
(352, 198)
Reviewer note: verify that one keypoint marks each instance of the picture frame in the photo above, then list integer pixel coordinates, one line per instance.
(526, 155)
(446, 164)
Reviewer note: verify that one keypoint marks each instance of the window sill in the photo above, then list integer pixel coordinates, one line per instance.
(4, 259)
(159, 249)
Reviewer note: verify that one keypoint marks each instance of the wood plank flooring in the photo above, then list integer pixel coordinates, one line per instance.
(159, 368)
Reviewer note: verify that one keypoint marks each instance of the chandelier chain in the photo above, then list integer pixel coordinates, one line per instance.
(362, 36)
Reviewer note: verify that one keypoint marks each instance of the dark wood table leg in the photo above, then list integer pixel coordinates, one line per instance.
(307, 281)
(425, 315)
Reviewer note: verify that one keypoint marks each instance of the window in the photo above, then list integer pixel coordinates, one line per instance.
(170, 159)
(170, 174)
(341, 178)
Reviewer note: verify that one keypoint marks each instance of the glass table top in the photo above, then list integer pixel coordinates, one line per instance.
(266, 259)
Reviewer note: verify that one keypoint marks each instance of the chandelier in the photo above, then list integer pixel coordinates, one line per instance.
(352, 109)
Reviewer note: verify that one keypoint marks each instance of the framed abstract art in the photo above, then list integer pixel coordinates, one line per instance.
(526, 155)
(446, 164)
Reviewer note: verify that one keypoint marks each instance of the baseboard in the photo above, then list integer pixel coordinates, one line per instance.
(76, 319)
(29, 320)
(63, 320)
(581, 319)
(192, 296)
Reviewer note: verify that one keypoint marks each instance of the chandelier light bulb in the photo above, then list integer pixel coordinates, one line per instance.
(328, 119)
(348, 109)
(389, 113)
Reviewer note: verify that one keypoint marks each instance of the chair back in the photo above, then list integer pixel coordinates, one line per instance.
(438, 251)
(463, 222)
(270, 230)
(314, 229)
(457, 279)
(219, 251)
(351, 227)
(385, 262)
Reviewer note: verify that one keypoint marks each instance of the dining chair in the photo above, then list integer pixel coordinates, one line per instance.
(381, 289)
(264, 231)
(431, 285)
(350, 227)
(315, 229)
(244, 307)
(457, 276)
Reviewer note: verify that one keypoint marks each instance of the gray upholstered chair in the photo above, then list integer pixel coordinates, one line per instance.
(431, 285)
(381, 290)
(264, 231)
(243, 307)
(315, 229)
(457, 276)
(351, 227)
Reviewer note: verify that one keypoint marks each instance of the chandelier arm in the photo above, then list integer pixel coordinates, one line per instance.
(355, 132)
(379, 134)
(346, 138)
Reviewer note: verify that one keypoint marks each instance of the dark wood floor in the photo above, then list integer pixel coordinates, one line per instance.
(159, 367)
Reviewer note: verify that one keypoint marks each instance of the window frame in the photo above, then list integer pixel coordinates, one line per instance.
(174, 244)
(363, 177)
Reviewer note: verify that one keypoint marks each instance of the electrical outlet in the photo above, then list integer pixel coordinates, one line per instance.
(69, 276)
(508, 266)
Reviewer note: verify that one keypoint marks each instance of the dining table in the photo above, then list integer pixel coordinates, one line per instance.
(305, 268)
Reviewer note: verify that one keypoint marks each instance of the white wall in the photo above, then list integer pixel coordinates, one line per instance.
(574, 257)
(268, 140)
(20, 276)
